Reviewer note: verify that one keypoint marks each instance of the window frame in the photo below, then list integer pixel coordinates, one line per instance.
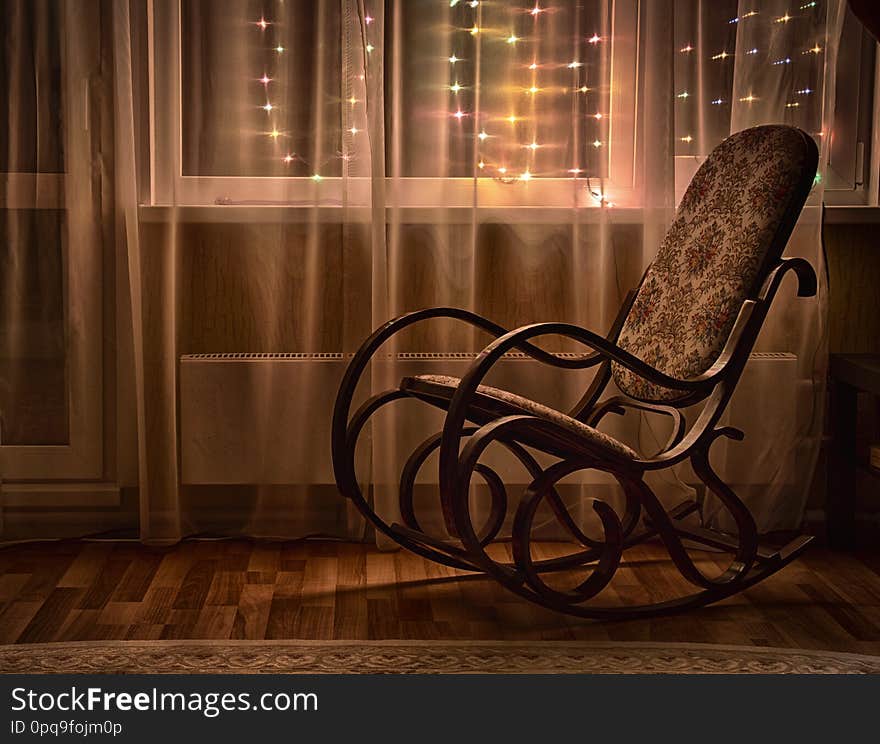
(83, 455)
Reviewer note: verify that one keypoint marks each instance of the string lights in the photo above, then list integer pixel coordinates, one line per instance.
(508, 145)
(271, 36)
(501, 122)
(775, 50)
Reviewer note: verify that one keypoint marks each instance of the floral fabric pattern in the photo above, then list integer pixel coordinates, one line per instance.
(714, 255)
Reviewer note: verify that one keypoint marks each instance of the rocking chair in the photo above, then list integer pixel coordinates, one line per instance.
(682, 337)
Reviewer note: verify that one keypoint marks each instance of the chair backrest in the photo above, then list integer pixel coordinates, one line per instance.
(729, 231)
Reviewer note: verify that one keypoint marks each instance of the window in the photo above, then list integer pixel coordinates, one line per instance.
(50, 340)
(268, 98)
(266, 112)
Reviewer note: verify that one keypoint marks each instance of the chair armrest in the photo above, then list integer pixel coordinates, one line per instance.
(807, 282)
(361, 359)
(603, 350)
(369, 347)
(753, 312)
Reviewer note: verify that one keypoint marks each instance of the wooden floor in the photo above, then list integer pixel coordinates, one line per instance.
(321, 589)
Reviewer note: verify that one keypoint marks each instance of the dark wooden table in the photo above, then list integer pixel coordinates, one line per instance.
(849, 375)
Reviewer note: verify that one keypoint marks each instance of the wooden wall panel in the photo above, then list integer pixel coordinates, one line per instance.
(854, 280)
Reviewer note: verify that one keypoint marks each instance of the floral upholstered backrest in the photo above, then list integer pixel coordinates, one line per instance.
(729, 230)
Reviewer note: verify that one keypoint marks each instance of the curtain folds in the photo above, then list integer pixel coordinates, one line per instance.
(276, 179)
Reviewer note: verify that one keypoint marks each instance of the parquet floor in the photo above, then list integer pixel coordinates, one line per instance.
(324, 589)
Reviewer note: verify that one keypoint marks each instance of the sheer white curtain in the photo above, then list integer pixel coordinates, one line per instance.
(282, 177)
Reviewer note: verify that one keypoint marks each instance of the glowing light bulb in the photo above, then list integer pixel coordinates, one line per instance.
(533, 146)
(784, 61)
(475, 30)
(814, 50)
(722, 55)
(683, 94)
(533, 90)
(354, 130)
(455, 87)
(263, 24)
(688, 139)
(525, 176)
(482, 136)
(752, 51)
(481, 165)
(265, 80)
(793, 104)
(595, 39)
(512, 39)
(584, 89)
(750, 14)
(717, 102)
(575, 171)
(597, 144)
(474, 3)
(288, 158)
(368, 20)
(369, 48)
(316, 177)
(268, 107)
(279, 49)
(572, 65)
(804, 91)
(459, 114)
(534, 11)
(533, 66)
(502, 170)
(511, 119)
(748, 99)
(453, 59)
(686, 49)
(597, 115)
(784, 19)
(274, 134)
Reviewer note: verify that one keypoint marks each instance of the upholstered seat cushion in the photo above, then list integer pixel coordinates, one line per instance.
(730, 228)
(517, 404)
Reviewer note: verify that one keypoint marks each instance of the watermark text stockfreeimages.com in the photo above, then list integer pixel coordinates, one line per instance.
(209, 704)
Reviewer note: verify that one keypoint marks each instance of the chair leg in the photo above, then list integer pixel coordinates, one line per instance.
(524, 576)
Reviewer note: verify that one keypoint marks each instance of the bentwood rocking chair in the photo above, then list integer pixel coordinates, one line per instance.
(682, 337)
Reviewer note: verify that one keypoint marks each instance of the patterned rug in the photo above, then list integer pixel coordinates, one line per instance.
(414, 657)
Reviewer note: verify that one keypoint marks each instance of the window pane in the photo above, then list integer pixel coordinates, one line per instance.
(775, 54)
(261, 88)
(33, 370)
(500, 89)
(30, 87)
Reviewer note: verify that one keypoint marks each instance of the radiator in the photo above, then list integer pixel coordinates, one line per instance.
(265, 418)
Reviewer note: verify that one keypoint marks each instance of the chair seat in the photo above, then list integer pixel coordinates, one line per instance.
(493, 403)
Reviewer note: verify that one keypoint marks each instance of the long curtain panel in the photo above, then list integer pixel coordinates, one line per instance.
(278, 178)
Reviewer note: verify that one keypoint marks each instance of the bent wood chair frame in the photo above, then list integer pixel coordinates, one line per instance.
(477, 417)
(470, 416)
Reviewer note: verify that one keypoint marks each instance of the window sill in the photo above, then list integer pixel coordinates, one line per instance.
(274, 213)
